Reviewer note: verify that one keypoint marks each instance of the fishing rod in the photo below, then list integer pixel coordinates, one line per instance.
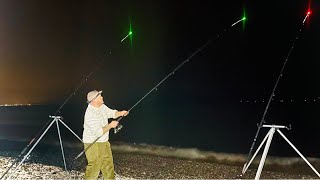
(119, 127)
(245, 167)
(58, 111)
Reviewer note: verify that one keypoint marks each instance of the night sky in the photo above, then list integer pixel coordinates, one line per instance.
(47, 48)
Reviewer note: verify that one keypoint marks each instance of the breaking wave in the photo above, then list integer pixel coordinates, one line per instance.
(197, 155)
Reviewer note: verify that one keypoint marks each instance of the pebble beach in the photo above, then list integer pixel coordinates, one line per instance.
(157, 162)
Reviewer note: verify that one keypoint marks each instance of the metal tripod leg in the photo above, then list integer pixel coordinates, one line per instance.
(25, 157)
(254, 155)
(64, 159)
(265, 152)
(285, 138)
(70, 130)
(56, 119)
(273, 129)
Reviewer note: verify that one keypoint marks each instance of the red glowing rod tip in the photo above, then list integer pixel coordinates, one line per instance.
(309, 12)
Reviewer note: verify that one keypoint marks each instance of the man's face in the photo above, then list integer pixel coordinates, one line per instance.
(99, 99)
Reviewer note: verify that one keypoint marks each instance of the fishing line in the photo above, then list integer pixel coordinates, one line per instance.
(117, 129)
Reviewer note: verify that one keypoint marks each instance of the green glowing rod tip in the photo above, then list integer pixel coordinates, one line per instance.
(130, 32)
(244, 18)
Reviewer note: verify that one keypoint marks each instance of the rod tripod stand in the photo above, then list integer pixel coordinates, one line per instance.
(56, 119)
(269, 136)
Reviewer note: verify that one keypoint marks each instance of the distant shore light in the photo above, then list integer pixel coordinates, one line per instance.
(16, 105)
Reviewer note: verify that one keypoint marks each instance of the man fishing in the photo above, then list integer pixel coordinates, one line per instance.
(99, 155)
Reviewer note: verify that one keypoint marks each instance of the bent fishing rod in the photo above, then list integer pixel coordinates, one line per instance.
(58, 111)
(117, 128)
(246, 165)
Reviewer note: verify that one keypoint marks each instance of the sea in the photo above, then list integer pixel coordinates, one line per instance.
(228, 127)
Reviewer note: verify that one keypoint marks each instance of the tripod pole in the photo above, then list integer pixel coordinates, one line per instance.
(289, 142)
(25, 157)
(272, 94)
(61, 146)
(117, 129)
(70, 130)
(269, 136)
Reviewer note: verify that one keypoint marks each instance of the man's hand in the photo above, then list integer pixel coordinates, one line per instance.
(124, 113)
(113, 124)
(121, 113)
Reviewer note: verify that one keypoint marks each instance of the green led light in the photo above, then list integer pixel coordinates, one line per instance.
(130, 33)
(244, 18)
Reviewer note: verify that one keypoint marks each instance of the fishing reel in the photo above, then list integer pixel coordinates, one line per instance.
(118, 128)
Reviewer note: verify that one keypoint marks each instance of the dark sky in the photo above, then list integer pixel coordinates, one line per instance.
(48, 47)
